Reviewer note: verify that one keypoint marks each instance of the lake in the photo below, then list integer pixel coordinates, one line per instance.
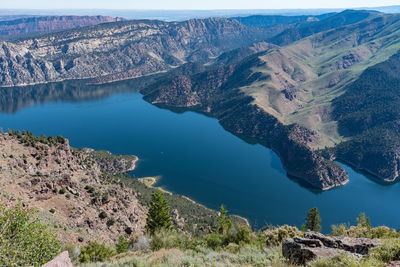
(194, 155)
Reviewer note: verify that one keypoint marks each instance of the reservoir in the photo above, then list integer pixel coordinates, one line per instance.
(193, 154)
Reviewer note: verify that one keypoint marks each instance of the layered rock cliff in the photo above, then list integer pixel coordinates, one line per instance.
(50, 23)
(119, 50)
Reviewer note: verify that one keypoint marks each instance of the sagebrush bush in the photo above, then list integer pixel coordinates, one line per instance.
(368, 232)
(94, 252)
(389, 251)
(275, 236)
(122, 245)
(213, 240)
(346, 261)
(172, 239)
(339, 230)
(24, 241)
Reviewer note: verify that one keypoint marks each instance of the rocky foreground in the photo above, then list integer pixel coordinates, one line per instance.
(316, 245)
(72, 189)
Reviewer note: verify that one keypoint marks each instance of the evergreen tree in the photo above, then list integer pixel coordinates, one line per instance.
(363, 220)
(313, 220)
(158, 216)
(225, 224)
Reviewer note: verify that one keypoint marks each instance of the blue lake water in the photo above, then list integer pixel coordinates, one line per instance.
(196, 157)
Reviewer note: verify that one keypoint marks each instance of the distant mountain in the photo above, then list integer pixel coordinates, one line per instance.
(344, 18)
(14, 17)
(386, 9)
(266, 21)
(119, 50)
(50, 23)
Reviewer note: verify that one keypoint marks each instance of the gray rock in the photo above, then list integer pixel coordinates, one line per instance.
(315, 245)
(61, 260)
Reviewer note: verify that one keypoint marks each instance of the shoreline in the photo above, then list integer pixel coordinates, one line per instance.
(150, 181)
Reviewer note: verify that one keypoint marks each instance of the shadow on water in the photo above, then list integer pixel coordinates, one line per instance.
(13, 99)
(367, 175)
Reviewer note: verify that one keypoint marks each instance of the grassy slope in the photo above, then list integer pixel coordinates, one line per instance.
(315, 70)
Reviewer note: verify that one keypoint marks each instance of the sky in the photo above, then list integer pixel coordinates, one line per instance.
(191, 4)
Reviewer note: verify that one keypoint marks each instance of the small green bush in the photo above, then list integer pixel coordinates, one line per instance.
(339, 230)
(243, 235)
(24, 241)
(111, 222)
(103, 215)
(213, 240)
(122, 245)
(389, 251)
(62, 191)
(95, 252)
(52, 210)
(346, 261)
(275, 236)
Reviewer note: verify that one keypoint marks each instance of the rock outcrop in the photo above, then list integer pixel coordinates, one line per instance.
(111, 163)
(69, 188)
(50, 23)
(61, 260)
(315, 245)
(119, 50)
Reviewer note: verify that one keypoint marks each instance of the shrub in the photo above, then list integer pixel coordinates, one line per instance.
(52, 210)
(24, 241)
(389, 251)
(363, 221)
(367, 232)
(111, 222)
(68, 196)
(143, 243)
(62, 191)
(213, 240)
(339, 230)
(243, 235)
(275, 236)
(122, 245)
(346, 261)
(89, 189)
(103, 215)
(172, 239)
(94, 252)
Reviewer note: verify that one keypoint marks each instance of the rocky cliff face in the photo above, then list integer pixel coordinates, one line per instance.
(50, 23)
(69, 188)
(119, 50)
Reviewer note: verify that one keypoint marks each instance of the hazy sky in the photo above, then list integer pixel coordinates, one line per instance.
(190, 4)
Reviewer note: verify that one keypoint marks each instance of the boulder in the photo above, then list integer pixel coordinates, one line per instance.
(61, 260)
(316, 245)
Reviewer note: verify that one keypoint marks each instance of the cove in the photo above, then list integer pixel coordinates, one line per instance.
(194, 155)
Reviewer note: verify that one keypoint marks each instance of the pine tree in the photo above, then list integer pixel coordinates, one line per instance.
(363, 221)
(313, 220)
(158, 216)
(225, 224)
